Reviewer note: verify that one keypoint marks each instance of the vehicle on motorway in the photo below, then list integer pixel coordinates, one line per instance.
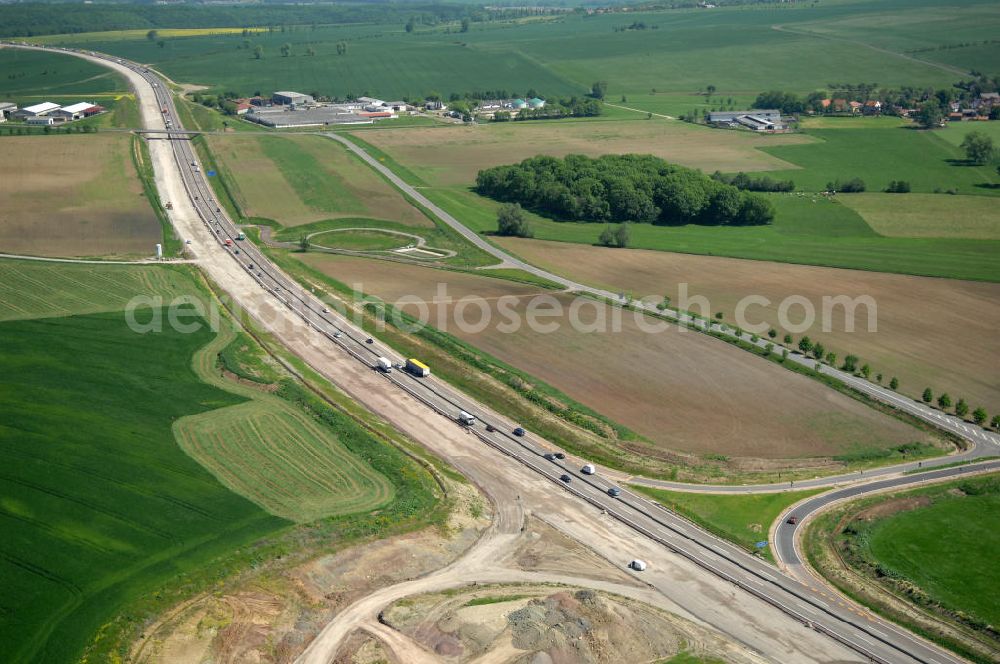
(325, 310)
(560, 455)
(241, 236)
(187, 241)
(228, 242)
(793, 520)
(549, 456)
(565, 478)
(638, 565)
(614, 492)
(490, 428)
(337, 335)
(164, 109)
(384, 365)
(519, 431)
(169, 205)
(237, 251)
(466, 419)
(588, 469)
(417, 368)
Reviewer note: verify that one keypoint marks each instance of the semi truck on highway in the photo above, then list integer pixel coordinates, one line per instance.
(384, 365)
(417, 368)
(466, 419)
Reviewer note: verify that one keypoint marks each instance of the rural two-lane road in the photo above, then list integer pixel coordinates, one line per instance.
(868, 636)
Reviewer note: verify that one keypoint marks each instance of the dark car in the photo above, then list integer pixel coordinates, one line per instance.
(793, 520)
(549, 456)
(490, 428)
(566, 478)
(614, 492)
(369, 340)
(519, 431)
(560, 455)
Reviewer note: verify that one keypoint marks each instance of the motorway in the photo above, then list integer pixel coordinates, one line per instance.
(873, 639)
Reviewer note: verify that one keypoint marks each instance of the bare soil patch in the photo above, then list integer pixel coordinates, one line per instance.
(74, 196)
(272, 615)
(678, 388)
(525, 623)
(937, 333)
(453, 155)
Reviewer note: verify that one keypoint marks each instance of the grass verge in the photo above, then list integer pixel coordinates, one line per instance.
(743, 520)
(920, 558)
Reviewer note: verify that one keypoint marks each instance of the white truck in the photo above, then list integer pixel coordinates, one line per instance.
(384, 365)
(588, 469)
(638, 565)
(466, 419)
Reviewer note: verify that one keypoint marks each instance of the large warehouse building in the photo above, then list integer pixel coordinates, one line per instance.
(285, 98)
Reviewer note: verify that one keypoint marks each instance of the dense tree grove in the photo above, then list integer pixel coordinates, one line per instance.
(747, 183)
(639, 188)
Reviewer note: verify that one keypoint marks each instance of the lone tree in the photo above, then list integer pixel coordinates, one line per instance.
(286, 49)
(850, 364)
(304, 243)
(152, 35)
(709, 90)
(598, 89)
(818, 350)
(623, 235)
(805, 344)
(411, 24)
(928, 395)
(772, 333)
(465, 25)
(258, 52)
(512, 222)
(930, 116)
(894, 383)
(979, 416)
(944, 401)
(961, 408)
(787, 339)
(978, 148)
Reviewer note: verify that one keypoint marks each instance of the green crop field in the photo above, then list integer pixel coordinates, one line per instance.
(275, 454)
(805, 47)
(297, 179)
(877, 156)
(32, 73)
(808, 230)
(946, 549)
(99, 504)
(132, 466)
(744, 520)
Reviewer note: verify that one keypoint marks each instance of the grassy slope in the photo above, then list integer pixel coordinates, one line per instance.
(744, 520)
(942, 548)
(100, 505)
(947, 529)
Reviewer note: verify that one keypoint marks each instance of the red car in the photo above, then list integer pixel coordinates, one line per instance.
(793, 520)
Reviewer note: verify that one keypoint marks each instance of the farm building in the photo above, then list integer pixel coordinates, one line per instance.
(754, 119)
(285, 98)
(7, 109)
(535, 102)
(39, 120)
(74, 111)
(38, 110)
(280, 117)
(518, 104)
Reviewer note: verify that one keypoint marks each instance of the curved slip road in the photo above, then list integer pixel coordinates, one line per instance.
(759, 601)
